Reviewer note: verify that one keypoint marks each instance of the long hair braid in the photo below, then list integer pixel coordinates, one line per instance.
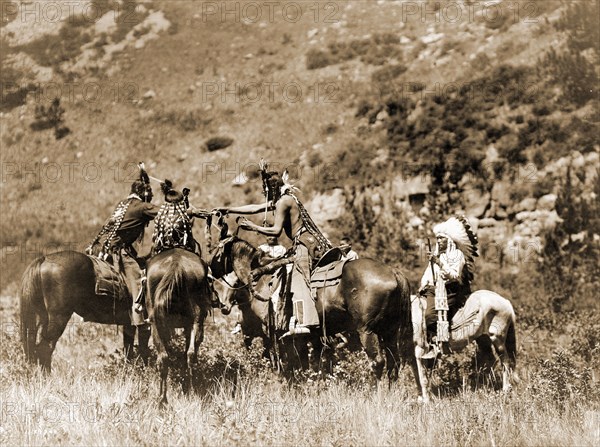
(171, 227)
(310, 225)
(110, 228)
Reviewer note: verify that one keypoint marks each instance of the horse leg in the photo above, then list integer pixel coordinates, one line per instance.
(485, 356)
(51, 331)
(498, 343)
(195, 338)
(162, 361)
(420, 374)
(144, 333)
(370, 343)
(128, 338)
(392, 355)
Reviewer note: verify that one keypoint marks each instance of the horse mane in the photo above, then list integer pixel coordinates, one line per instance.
(242, 248)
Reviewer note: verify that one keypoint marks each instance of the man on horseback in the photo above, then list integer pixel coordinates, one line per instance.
(173, 226)
(173, 223)
(451, 261)
(308, 242)
(115, 241)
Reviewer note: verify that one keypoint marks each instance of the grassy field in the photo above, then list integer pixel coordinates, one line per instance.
(92, 397)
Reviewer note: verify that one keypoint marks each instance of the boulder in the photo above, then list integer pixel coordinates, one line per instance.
(416, 222)
(487, 222)
(546, 202)
(501, 193)
(527, 204)
(327, 206)
(475, 201)
(404, 187)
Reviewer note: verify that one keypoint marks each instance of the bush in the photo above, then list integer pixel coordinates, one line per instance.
(559, 380)
(216, 143)
(51, 117)
(317, 59)
(374, 51)
(388, 74)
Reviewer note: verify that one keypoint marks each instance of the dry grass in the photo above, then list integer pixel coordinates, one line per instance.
(239, 402)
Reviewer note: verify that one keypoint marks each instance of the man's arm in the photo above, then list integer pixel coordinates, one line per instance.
(281, 211)
(451, 268)
(248, 209)
(426, 279)
(150, 211)
(197, 212)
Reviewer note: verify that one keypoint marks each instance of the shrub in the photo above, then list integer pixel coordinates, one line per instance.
(388, 74)
(558, 380)
(374, 51)
(51, 117)
(317, 59)
(216, 143)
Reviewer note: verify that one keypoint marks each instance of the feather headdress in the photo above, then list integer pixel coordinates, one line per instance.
(459, 231)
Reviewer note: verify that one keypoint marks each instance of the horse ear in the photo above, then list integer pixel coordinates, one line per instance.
(224, 231)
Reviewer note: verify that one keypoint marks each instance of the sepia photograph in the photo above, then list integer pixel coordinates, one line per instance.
(304, 222)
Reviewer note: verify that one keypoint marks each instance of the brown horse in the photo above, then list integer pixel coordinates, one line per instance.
(372, 300)
(56, 286)
(178, 295)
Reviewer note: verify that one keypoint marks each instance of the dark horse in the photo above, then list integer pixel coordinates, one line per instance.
(56, 286)
(178, 295)
(256, 313)
(372, 300)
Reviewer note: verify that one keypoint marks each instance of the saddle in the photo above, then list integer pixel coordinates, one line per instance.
(109, 282)
(328, 270)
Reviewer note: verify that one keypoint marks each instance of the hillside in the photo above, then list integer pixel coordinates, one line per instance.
(359, 99)
(390, 116)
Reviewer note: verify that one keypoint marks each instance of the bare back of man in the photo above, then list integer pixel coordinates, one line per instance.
(288, 219)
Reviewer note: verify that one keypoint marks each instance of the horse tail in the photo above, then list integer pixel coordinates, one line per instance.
(31, 300)
(511, 343)
(406, 331)
(169, 285)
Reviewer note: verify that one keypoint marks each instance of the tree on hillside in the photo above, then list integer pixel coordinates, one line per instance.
(573, 69)
(580, 21)
(571, 250)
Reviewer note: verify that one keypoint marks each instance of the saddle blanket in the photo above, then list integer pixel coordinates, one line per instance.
(328, 275)
(109, 281)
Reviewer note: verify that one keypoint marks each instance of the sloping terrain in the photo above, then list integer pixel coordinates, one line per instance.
(365, 95)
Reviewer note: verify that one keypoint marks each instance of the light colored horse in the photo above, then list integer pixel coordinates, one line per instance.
(486, 318)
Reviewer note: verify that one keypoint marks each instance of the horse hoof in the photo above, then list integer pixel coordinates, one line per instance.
(423, 400)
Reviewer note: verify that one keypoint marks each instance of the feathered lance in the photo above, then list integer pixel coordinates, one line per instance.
(431, 260)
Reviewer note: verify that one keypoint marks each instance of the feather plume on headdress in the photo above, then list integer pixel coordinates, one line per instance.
(459, 231)
(287, 186)
(143, 174)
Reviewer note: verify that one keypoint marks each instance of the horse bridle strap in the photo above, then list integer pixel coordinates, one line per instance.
(253, 294)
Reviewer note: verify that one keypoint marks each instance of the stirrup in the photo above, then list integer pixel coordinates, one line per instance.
(138, 298)
(295, 329)
(432, 353)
